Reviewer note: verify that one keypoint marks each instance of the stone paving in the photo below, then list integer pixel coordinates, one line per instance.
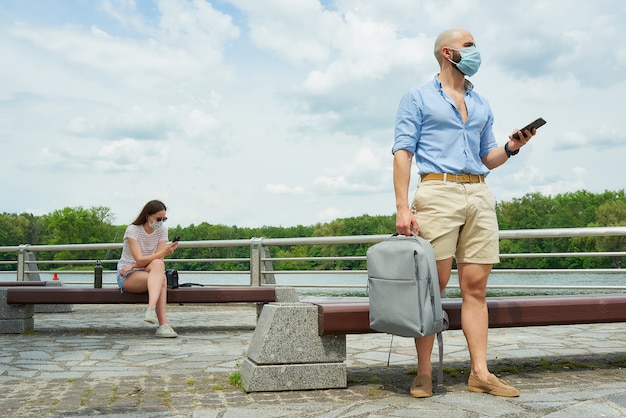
(103, 360)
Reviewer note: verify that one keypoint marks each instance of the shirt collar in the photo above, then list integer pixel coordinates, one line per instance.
(468, 84)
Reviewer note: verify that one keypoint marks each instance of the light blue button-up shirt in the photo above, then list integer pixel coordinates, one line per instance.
(430, 127)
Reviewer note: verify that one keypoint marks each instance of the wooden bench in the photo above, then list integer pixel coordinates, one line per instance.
(272, 364)
(17, 302)
(337, 318)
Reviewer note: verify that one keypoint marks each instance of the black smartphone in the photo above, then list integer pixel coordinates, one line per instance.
(536, 124)
(176, 239)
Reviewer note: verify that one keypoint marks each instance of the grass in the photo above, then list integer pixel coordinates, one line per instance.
(84, 400)
(516, 368)
(374, 392)
(454, 371)
(565, 364)
(113, 397)
(235, 380)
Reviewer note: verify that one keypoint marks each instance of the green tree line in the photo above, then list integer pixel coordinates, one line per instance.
(80, 225)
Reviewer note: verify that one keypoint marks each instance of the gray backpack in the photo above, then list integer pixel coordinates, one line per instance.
(403, 288)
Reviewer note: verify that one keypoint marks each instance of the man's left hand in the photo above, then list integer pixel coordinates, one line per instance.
(524, 137)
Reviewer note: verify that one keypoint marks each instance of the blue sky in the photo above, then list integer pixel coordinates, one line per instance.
(281, 112)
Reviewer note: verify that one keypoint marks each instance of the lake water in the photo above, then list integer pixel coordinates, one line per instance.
(347, 284)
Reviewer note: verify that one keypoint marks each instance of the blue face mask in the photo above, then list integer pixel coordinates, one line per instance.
(470, 60)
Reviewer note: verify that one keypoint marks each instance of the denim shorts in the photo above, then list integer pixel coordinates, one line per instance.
(120, 279)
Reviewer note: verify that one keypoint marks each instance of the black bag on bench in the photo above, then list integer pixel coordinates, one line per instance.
(172, 278)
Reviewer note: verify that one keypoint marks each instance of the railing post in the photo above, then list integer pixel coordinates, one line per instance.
(21, 264)
(31, 270)
(256, 246)
(268, 278)
(97, 275)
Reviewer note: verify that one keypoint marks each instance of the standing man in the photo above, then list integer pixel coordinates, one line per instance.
(447, 126)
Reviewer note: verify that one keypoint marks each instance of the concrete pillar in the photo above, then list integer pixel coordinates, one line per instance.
(286, 352)
(53, 307)
(15, 319)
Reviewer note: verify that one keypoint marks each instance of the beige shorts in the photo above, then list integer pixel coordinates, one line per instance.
(459, 219)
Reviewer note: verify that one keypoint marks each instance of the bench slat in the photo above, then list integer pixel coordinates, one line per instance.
(336, 318)
(228, 294)
(24, 283)
(557, 310)
(77, 295)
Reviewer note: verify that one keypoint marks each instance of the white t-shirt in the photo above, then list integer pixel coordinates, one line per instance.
(147, 243)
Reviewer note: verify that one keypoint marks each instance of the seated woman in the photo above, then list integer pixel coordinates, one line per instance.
(141, 267)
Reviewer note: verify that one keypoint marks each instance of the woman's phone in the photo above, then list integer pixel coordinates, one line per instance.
(536, 124)
(176, 239)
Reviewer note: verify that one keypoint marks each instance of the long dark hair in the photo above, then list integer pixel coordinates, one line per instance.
(150, 208)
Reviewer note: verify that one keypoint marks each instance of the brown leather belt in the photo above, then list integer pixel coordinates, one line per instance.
(456, 178)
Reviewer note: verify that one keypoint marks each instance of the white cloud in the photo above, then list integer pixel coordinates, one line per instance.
(366, 173)
(300, 32)
(330, 214)
(284, 189)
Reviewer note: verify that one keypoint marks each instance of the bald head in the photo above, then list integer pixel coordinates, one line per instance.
(453, 38)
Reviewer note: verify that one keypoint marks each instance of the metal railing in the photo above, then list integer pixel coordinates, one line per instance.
(261, 265)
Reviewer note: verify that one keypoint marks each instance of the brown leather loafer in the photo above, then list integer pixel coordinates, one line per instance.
(493, 386)
(422, 386)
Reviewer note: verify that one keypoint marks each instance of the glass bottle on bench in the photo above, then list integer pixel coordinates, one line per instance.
(97, 275)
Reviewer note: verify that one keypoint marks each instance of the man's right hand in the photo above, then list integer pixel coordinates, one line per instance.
(405, 220)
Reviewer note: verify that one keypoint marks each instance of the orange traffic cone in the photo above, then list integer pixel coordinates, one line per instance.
(55, 277)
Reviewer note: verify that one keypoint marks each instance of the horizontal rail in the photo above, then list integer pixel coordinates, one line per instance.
(495, 271)
(549, 287)
(570, 254)
(605, 231)
(338, 258)
(353, 239)
(517, 255)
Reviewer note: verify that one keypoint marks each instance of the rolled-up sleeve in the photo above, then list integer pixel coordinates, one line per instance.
(487, 138)
(408, 125)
